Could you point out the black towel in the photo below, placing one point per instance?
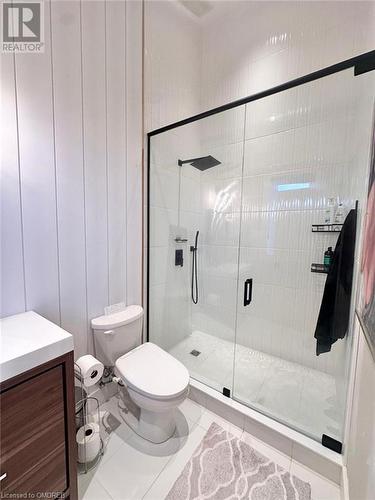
(333, 319)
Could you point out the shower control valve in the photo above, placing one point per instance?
(179, 258)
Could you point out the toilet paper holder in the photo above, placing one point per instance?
(91, 448)
(88, 370)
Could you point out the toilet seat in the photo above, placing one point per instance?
(152, 372)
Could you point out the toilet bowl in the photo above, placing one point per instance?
(155, 381)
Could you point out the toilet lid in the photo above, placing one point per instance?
(151, 371)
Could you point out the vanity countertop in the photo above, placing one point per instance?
(28, 340)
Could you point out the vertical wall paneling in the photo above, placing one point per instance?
(66, 74)
(12, 276)
(94, 127)
(71, 210)
(116, 148)
(134, 150)
(37, 172)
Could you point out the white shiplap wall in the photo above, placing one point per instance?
(71, 200)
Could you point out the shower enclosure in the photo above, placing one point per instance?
(234, 195)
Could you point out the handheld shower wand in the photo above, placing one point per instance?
(194, 271)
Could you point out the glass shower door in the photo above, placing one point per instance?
(302, 147)
(195, 202)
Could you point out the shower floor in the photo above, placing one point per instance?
(301, 397)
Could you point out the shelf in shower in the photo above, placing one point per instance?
(319, 268)
(326, 228)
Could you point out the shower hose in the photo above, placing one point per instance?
(194, 272)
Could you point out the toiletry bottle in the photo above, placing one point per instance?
(340, 214)
(330, 211)
(328, 256)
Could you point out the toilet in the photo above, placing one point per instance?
(156, 382)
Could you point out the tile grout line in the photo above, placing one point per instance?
(104, 488)
(169, 460)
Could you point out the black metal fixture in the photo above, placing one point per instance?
(365, 65)
(226, 392)
(194, 271)
(179, 257)
(203, 163)
(248, 292)
(331, 443)
(195, 353)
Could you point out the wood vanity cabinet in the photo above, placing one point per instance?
(37, 427)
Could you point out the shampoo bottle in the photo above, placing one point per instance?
(340, 214)
(328, 256)
(330, 211)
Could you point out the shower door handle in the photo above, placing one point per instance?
(248, 292)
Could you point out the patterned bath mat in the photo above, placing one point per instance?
(224, 467)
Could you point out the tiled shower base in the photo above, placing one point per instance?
(301, 397)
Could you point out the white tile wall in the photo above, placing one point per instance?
(71, 210)
(262, 44)
(172, 58)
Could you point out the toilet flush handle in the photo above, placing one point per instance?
(109, 332)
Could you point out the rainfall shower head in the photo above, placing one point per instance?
(203, 163)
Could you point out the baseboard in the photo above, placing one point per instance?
(344, 487)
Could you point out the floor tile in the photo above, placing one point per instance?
(192, 411)
(90, 489)
(321, 488)
(175, 465)
(133, 468)
(130, 471)
(114, 431)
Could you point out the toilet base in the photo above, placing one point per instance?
(156, 427)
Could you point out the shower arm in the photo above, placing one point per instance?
(182, 162)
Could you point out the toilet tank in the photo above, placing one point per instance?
(118, 333)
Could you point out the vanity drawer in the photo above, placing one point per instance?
(36, 445)
(33, 451)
